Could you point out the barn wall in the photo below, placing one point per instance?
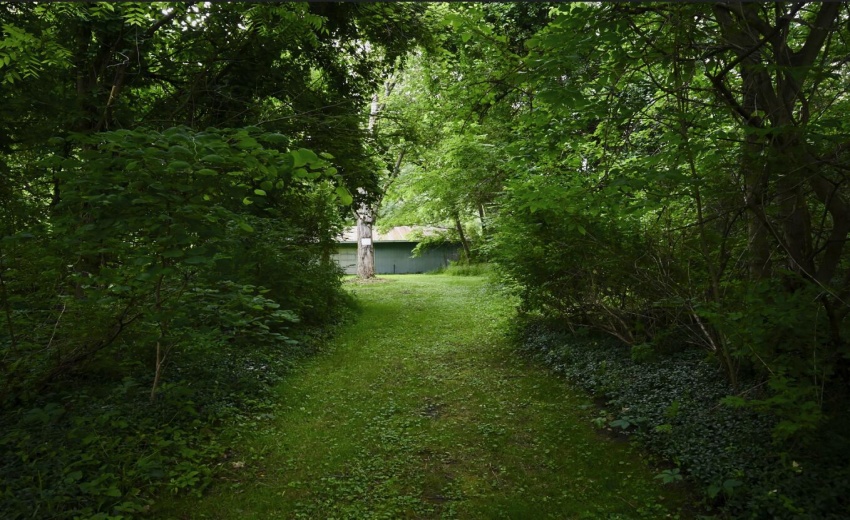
(346, 257)
(394, 258)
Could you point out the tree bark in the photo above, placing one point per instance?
(366, 215)
(365, 244)
(464, 243)
(776, 155)
(484, 228)
(755, 190)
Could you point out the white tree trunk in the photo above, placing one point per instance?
(365, 213)
(365, 245)
(366, 216)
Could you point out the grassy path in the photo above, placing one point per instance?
(421, 410)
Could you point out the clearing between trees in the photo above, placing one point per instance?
(421, 409)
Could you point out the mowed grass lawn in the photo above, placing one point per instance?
(421, 409)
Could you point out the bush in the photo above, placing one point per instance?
(464, 269)
(673, 405)
(100, 448)
(168, 291)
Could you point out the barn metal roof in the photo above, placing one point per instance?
(396, 234)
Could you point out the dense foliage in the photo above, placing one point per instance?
(669, 404)
(173, 176)
(673, 175)
(696, 205)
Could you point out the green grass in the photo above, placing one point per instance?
(421, 409)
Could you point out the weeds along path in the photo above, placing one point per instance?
(421, 409)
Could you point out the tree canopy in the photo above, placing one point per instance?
(173, 176)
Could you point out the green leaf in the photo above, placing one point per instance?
(713, 490)
(275, 138)
(213, 159)
(729, 485)
(174, 166)
(344, 196)
(246, 227)
(71, 163)
(303, 157)
(180, 151)
(261, 193)
(620, 423)
(142, 260)
(73, 476)
(248, 143)
(247, 201)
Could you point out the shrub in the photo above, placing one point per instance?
(175, 281)
(464, 269)
(674, 405)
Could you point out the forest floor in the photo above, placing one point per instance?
(422, 409)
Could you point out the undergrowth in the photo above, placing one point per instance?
(674, 406)
(464, 269)
(98, 448)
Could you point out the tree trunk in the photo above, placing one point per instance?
(365, 246)
(366, 216)
(755, 179)
(367, 213)
(463, 241)
(481, 215)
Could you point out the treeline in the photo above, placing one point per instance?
(173, 176)
(674, 176)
